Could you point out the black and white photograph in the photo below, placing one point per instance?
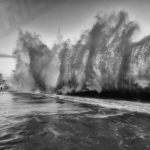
(74, 74)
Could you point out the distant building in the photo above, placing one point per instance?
(1, 82)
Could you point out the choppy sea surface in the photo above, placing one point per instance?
(33, 122)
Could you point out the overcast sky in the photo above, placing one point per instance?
(72, 17)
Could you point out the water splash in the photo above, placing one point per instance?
(104, 58)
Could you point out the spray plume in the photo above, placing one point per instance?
(104, 58)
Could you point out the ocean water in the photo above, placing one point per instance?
(32, 122)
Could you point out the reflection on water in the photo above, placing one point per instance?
(30, 123)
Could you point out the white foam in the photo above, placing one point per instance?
(123, 105)
(104, 115)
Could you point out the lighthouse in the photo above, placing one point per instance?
(1, 82)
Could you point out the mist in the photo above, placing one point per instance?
(104, 58)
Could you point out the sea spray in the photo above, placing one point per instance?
(33, 69)
(103, 59)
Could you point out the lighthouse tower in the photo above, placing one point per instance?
(1, 82)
